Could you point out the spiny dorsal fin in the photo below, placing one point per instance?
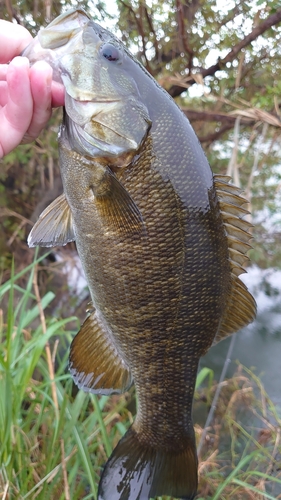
(241, 306)
(232, 198)
(94, 362)
(237, 229)
(222, 181)
(229, 208)
(54, 226)
(235, 243)
(239, 223)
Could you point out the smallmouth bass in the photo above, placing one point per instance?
(162, 242)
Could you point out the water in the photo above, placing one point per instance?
(258, 347)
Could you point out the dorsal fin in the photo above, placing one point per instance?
(241, 306)
(237, 229)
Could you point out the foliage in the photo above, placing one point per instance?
(34, 14)
(54, 440)
(49, 435)
(242, 450)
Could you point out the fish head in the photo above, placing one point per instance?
(105, 114)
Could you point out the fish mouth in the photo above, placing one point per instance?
(82, 110)
(89, 98)
(100, 100)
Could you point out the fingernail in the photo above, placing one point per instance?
(47, 70)
(19, 61)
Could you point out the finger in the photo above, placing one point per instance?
(57, 89)
(13, 40)
(15, 116)
(58, 93)
(3, 71)
(3, 94)
(40, 83)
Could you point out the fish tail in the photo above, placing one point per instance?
(136, 471)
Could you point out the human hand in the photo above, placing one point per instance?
(26, 94)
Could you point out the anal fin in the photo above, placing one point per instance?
(54, 226)
(94, 362)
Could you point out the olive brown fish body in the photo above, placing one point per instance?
(161, 244)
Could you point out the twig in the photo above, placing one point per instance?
(51, 171)
(48, 9)
(139, 23)
(6, 489)
(55, 351)
(217, 393)
(182, 29)
(216, 135)
(50, 362)
(9, 10)
(274, 453)
(207, 462)
(50, 476)
(232, 169)
(256, 161)
(210, 116)
(15, 233)
(6, 212)
(64, 472)
(152, 30)
(47, 347)
(258, 30)
(239, 70)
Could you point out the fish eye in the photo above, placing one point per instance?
(110, 52)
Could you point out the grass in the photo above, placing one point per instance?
(54, 440)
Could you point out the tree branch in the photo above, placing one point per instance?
(215, 135)
(193, 115)
(272, 20)
(139, 23)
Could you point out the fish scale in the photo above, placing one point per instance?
(162, 242)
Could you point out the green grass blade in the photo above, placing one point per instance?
(250, 487)
(232, 475)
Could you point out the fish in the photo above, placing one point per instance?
(162, 241)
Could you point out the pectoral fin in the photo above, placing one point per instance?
(94, 362)
(54, 226)
(116, 207)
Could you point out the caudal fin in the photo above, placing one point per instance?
(136, 471)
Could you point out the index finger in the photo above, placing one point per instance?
(13, 40)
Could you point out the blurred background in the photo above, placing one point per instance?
(221, 62)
